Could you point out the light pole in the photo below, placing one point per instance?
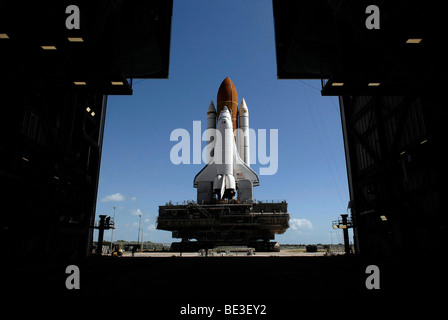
(141, 247)
(331, 245)
(112, 235)
(139, 223)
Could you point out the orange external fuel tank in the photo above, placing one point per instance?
(227, 96)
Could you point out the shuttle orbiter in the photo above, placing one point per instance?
(228, 170)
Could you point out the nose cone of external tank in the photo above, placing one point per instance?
(227, 96)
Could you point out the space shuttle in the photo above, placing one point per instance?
(227, 174)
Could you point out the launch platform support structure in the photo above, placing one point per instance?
(344, 223)
(224, 224)
(105, 223)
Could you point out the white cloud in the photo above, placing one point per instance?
(113, 197)
(147, 220)
(136, 212)
(151, 227)
(134, 198)
(300, 225)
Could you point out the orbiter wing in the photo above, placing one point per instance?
(208, 173)
(242, 171)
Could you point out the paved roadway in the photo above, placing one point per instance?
(232, 254)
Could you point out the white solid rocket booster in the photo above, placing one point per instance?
(211, 116)
(211, 124)
(243, 113)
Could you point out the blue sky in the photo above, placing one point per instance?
(209, 41)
